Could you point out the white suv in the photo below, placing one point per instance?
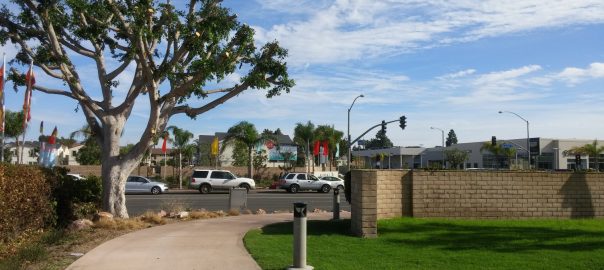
(294, 182)
(208, 180)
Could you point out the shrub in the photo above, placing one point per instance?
(26, 204)
(74, 198)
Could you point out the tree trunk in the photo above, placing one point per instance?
(17, 149)
(179, 170)
(115, 169)
(250, 167)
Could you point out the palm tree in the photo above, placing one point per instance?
(591, 149)
(13, 128)
(246, 133)
(304, 135)
(332, 136)
(499, 151)
(181, 140)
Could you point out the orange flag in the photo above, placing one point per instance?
(53, 136)
(30, 80)
(164, 146)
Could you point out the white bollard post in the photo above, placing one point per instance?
(336, 203)
(300, 238)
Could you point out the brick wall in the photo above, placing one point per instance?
(508, 194)
(363, 216)
(380, 194)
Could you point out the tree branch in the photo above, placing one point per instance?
(191, 112)
(53, 91)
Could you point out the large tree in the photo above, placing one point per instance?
(456, 157)
(164, 55)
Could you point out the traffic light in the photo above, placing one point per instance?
(384, 125)
(403, 122)
(493, 141)
(578, 160)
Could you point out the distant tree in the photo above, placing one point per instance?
(90, 153)
(451, 138)
(246, 133)
(278, 132)
(181, 139)
(380, 141)
(304, 136)
(332, 136)
(500, 153)
(456, 157)
(591, 149)
(240, 154)
(267, 131)
(13, 128)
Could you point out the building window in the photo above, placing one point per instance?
(73, 153)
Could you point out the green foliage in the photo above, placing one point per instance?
(90, 153)
(451, 138)
(455, 157)
(591, 149)
(380, 141)
(240, 154)
(501, 154)
(74, 198)
(245, 133)
(26, 204)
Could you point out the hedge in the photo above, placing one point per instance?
(26, 202)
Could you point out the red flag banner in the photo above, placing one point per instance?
(315, 151)
(30, 80)
(325, 149)
(53, 136)
(164, 148)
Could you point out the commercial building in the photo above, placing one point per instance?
(546, 154)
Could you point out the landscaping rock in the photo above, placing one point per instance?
(162, 213)
(182, 214)
(80, 224)
(317, 210)
(102, 216)
(260, 212)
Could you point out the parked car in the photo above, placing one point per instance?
(208, 180)
(139, 184)
(294, 182)
(335, 182)
(75, 176)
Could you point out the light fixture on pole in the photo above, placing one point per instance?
(442, 133)
(349, 140)
(528, 137)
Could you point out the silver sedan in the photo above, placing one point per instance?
(139, 184)
(334, 182)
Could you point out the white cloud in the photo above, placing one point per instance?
(360, 29)
(573, 75)
(456, 75)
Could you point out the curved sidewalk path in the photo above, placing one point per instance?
(200, 244)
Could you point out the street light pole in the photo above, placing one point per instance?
(442, 133)
(349, 140)
(528, 137)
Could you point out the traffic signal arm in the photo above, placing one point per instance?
(371, 128)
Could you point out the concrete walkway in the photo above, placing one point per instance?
(200, 244)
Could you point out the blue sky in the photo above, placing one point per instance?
(451, 65)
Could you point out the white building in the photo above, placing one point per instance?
(546, 154)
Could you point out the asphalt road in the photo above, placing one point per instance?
(257, 199)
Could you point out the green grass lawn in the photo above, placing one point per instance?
(407, 243)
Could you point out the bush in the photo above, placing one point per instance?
(74, 198)
(26, 204)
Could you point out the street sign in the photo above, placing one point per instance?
(507, 145)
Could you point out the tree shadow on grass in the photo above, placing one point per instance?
(447, 236)
(313, 227)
